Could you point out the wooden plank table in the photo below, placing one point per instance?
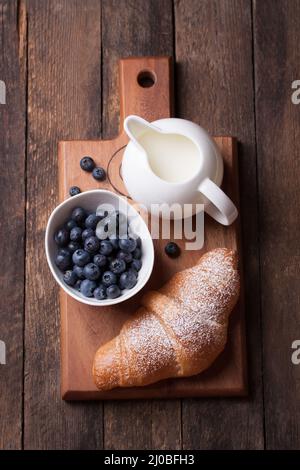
(235, 63)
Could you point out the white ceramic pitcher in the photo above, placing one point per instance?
(175, 161)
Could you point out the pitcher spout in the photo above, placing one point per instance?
(134, 127)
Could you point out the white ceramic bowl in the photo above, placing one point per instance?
(90, 200)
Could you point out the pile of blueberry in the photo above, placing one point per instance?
(88, 164)
(99, 268)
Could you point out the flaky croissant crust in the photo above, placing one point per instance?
(178, 331)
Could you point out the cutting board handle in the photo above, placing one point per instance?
(146, 87)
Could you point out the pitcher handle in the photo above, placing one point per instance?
(221, 208)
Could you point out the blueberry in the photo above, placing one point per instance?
(73, 246)
(109, 278)
(117, 266)
(136, 264)
(127, 280)
(63, 260)
(109, 259)
(133, 271)
(100, 260)
(91, 271)
(78, 215)
(127, 244)
(137, 254)
(70, 224)
(70, 278)
(87, 164)
(74, 190)
(99, 173)
(79, 271)
(91, 245)
(77, 284)
(138, 242)
(127, 257)
(115, 242)
(100, 292)
(113, 291)
(92, 220)
(106, 247)
(63, 251)
(87, 287)
(62, 237)
(75, 234)
(81, 257)
(87, 233)
(172, 249)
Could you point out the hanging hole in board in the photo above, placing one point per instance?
(146, 79)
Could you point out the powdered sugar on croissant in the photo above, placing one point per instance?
(179, 330)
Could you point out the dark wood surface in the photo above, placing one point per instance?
(235, 62)
(12, 232)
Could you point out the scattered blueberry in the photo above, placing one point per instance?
(100, 292)
(77, 284)
(63, 260)
(106, 247)
(79, 215)
(88, 232)
(81, 257)
(99, 173)
(172, 249)
(136, 264)
(109, 278)
(79, 272)
(87, 287)
(91, 271)
(91, 245)
(113, 291)
(127, 244)
(70, 224)
(74, 190)
(100, 260)
(70, 278)
(117, 266)
(87, 164)
(75, 234)
(127, 280)
(137, 254)
(127, 257)
(62, 237)
(73, 246)
(92, 220)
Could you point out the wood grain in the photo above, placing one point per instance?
(64, 101)
(215, 89)
(136, 28)
(277, 57)
(12, 228)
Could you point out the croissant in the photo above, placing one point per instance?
(178, 331)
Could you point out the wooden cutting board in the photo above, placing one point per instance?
(145, 90)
